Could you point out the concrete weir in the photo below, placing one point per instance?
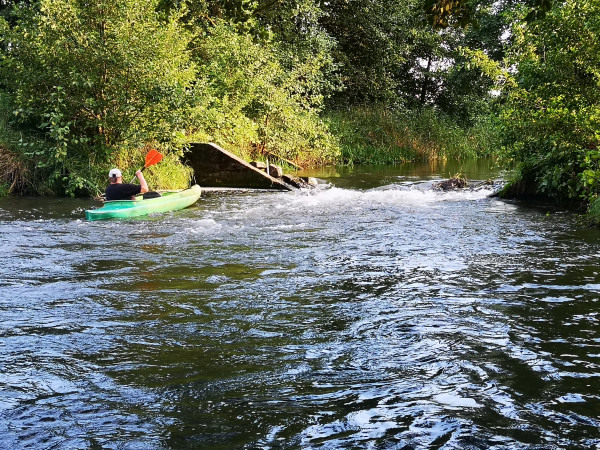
(215, 167)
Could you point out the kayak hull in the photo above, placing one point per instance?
(123, 209)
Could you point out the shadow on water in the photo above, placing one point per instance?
(371, 312)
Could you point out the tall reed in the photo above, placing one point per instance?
(378, 135)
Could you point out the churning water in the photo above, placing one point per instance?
(372, 312)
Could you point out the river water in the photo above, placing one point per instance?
(369, 313)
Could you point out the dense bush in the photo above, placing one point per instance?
(251, 104)
(551, 119)
(94, 80)
(93, 84)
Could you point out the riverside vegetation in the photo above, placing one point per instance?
(86, 86)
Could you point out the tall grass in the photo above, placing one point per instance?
(15, 173)
(378, 135)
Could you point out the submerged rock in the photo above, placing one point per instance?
(458, 183)
(300, 182)
(452, 184)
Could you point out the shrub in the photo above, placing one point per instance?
(93, 79)
(250, 103)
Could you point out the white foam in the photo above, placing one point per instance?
(456, 401)
(388, 195)
(207, 226)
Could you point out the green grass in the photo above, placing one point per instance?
(377, 135)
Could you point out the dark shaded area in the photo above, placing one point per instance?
(216, 167)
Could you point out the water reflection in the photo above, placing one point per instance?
(383, 175)
(386, 316)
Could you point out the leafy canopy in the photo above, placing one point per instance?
(551, 121)
(96, 78)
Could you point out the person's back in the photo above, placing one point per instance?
(117, 190)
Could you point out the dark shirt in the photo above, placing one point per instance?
(122, 191)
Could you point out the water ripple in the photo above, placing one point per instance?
(391, 317)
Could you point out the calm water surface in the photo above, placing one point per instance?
(370, 313)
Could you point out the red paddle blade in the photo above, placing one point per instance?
(153, 157)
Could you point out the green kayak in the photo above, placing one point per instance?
(168, 201)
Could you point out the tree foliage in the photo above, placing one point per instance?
(251, 101)
(92, 83)
(551, 120)
(95, 78)
(99, 80)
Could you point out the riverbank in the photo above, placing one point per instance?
(359, 135)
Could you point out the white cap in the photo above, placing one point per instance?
(114, 173)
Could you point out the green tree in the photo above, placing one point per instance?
(97, 79)
(253, 103)
(266, 67)
(389, 54)
(460, 13)
(373, 40)
(290, 29)
(551, 120)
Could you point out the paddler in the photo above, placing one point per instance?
(117, 190)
